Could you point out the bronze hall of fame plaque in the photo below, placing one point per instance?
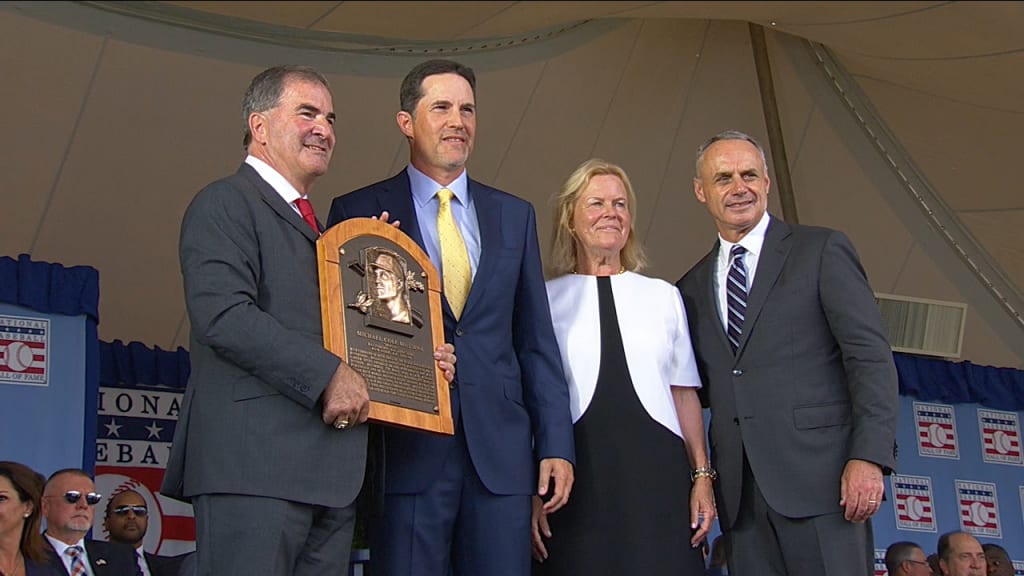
(380, 300)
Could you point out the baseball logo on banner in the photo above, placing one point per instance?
(134, 430)
(936, 430)
(1000, 437)
(880, 569)
(913, 503)
(979, 508)
(1018, 568)
(24, 350)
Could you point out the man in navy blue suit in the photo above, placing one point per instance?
(462, 502)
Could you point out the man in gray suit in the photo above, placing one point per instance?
(797, 372)
(268, 445)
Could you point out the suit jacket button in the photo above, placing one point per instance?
(737, 372)
(458, 331)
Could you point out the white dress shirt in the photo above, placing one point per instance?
(278, 182)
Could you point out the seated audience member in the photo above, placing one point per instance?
(22, 550)
(998, 560)
(126, 520)
(960, 554)
(933, 563)
(906, 559)
(69, 501)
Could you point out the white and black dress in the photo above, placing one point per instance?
(624, 343)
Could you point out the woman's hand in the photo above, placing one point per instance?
(702, 509)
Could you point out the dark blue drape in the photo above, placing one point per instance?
(934, 380)
(136, 364)
(50, 288)
(69, 291)
(927, 379)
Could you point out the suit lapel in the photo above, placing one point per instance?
(277, 204)
(774, 252)
(98, 561)
(55, 560)
(706, 280)
(396, 198)
(488, 215)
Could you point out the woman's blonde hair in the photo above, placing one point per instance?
(563, 241)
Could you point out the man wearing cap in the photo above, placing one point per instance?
(388, 277)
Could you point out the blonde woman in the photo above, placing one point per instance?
(643, 500)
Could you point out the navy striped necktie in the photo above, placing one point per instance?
(736, 296)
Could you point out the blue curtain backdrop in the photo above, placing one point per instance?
(52, 425)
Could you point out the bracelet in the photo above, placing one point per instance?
(704, 472)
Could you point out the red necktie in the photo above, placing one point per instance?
(306, 209)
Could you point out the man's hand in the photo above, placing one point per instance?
(346, 399)
(561, 472)
(384, 218)
(445, 356)
(540, 530)
(861, 489)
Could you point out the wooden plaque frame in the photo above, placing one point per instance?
(384, 345)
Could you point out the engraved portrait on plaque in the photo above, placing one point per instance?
(381, 306)
(385, 299)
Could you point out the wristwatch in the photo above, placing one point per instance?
(704, 472)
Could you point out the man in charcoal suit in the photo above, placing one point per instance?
(798, 374)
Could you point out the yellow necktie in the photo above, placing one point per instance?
(454, 257)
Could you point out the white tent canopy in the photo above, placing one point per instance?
(900, 125)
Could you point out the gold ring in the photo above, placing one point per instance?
(341, 424)
(872, 501)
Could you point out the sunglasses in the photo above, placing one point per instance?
(124, 510)
(73, 496)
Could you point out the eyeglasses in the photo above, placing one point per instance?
(73, 496)
(916, 562)
(124, 510)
